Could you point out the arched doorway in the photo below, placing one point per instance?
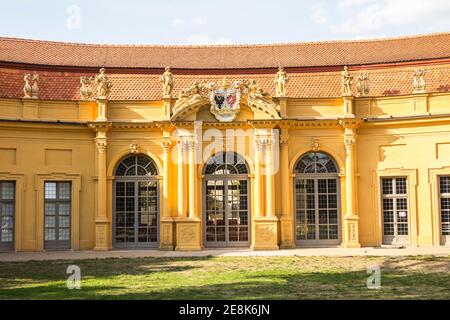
(226, 201)
(136, 203)
(317, 209)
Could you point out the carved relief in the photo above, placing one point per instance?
(315, 146)
(419, 83)
(104, 85)
(86, 88)
(266, 233)
(168, 82)
(281, 80)
(187, 235)
(134, 148)
(200, 94)
(347, 80)
(352, 232)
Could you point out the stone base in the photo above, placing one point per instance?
(287, 233)
(351, 232)
(102, 235)
(266, 234)
(188, 235)
(350, 245)
(166, 236)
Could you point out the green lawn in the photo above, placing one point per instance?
(230, 278)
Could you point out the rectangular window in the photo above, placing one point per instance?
(444, 191)
(394, 204)
(57, 211)
(7, 215)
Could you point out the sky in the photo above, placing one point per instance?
(203, 22)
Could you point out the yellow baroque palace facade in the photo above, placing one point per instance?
(261, 146)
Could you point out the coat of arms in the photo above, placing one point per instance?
(225, 103)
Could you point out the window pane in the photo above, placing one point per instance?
(64, 190)
(50, 190)
(387, 186)
(7, 190)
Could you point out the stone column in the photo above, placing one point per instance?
(265, 227)
(181, 183)
(102, 223)
(192, 180)
(257, 188)
(166, 235)
(270, 180)
(351, 234)
(188, 228)
(287, 219)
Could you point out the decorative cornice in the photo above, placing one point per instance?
(100, 126)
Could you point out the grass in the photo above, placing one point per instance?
(230, 278)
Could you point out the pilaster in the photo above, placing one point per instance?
(348, 108)
(286, 219)
(102, 221)
(351, 218)
(167, 222)
(265, 226)
(30, 108)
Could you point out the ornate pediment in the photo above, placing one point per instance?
(224, 99)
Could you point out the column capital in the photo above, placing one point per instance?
(100, 126)
(166, 144)
(101, 145)
(284, 140)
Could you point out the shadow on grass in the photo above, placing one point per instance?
(255, 285)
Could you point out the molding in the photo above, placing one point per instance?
(19, 206)
(75, 179)
(411, 175)
(433, 181)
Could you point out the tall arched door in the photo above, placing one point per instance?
(136, 203)
(226, 201)
(317, 209)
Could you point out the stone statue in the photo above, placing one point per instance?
(104, 84)
(27, 86)
(86, 89)
(35, 87)
(362, 84)
(347, 80)
(281, 81)
(168, 82)
(419, 83)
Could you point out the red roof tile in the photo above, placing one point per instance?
(308, 54)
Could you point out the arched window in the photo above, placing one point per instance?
(226, 206)
(316, 162)
(136, 203)
(225, 164)
(316, 186)
(136, 166)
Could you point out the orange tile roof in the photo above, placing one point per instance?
(66, 85)
(308, 54)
